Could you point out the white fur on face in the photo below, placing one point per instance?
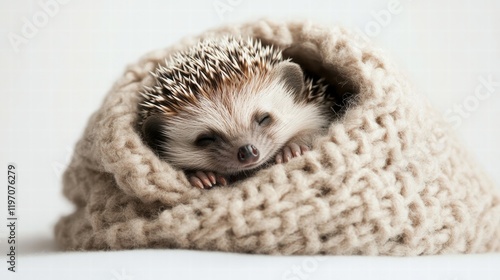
(233, 116)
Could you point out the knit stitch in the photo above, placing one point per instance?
(389, 178)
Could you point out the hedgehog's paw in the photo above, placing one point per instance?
(206, 180)
(290, 151)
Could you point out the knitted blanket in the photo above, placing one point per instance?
(389, 178)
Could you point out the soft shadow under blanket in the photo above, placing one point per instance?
(389, 178)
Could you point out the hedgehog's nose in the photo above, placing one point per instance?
(248, 154)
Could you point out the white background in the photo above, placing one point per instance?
(57, 75)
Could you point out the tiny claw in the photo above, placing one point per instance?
(204, 178)
(222, 180)
(291, 150)
(279, 158)
(287, 153)
(211, 176)
(195, 182)
(295, 149)
(304, 148)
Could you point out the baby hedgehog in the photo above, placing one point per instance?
(228, 106)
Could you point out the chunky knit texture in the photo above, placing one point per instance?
(389, 178)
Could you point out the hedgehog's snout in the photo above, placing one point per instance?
(248, 154)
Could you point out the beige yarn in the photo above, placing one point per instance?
(388, 179)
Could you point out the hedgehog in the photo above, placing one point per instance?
(228, 106)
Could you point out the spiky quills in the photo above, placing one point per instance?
(209, 66)
(205, 68)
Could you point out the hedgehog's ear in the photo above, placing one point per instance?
(291, 74)
(153, 131)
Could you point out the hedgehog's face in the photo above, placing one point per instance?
(242, 129)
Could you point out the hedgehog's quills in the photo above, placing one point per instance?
(227, 107)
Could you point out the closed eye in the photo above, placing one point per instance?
(264, 120)
(204, 140)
